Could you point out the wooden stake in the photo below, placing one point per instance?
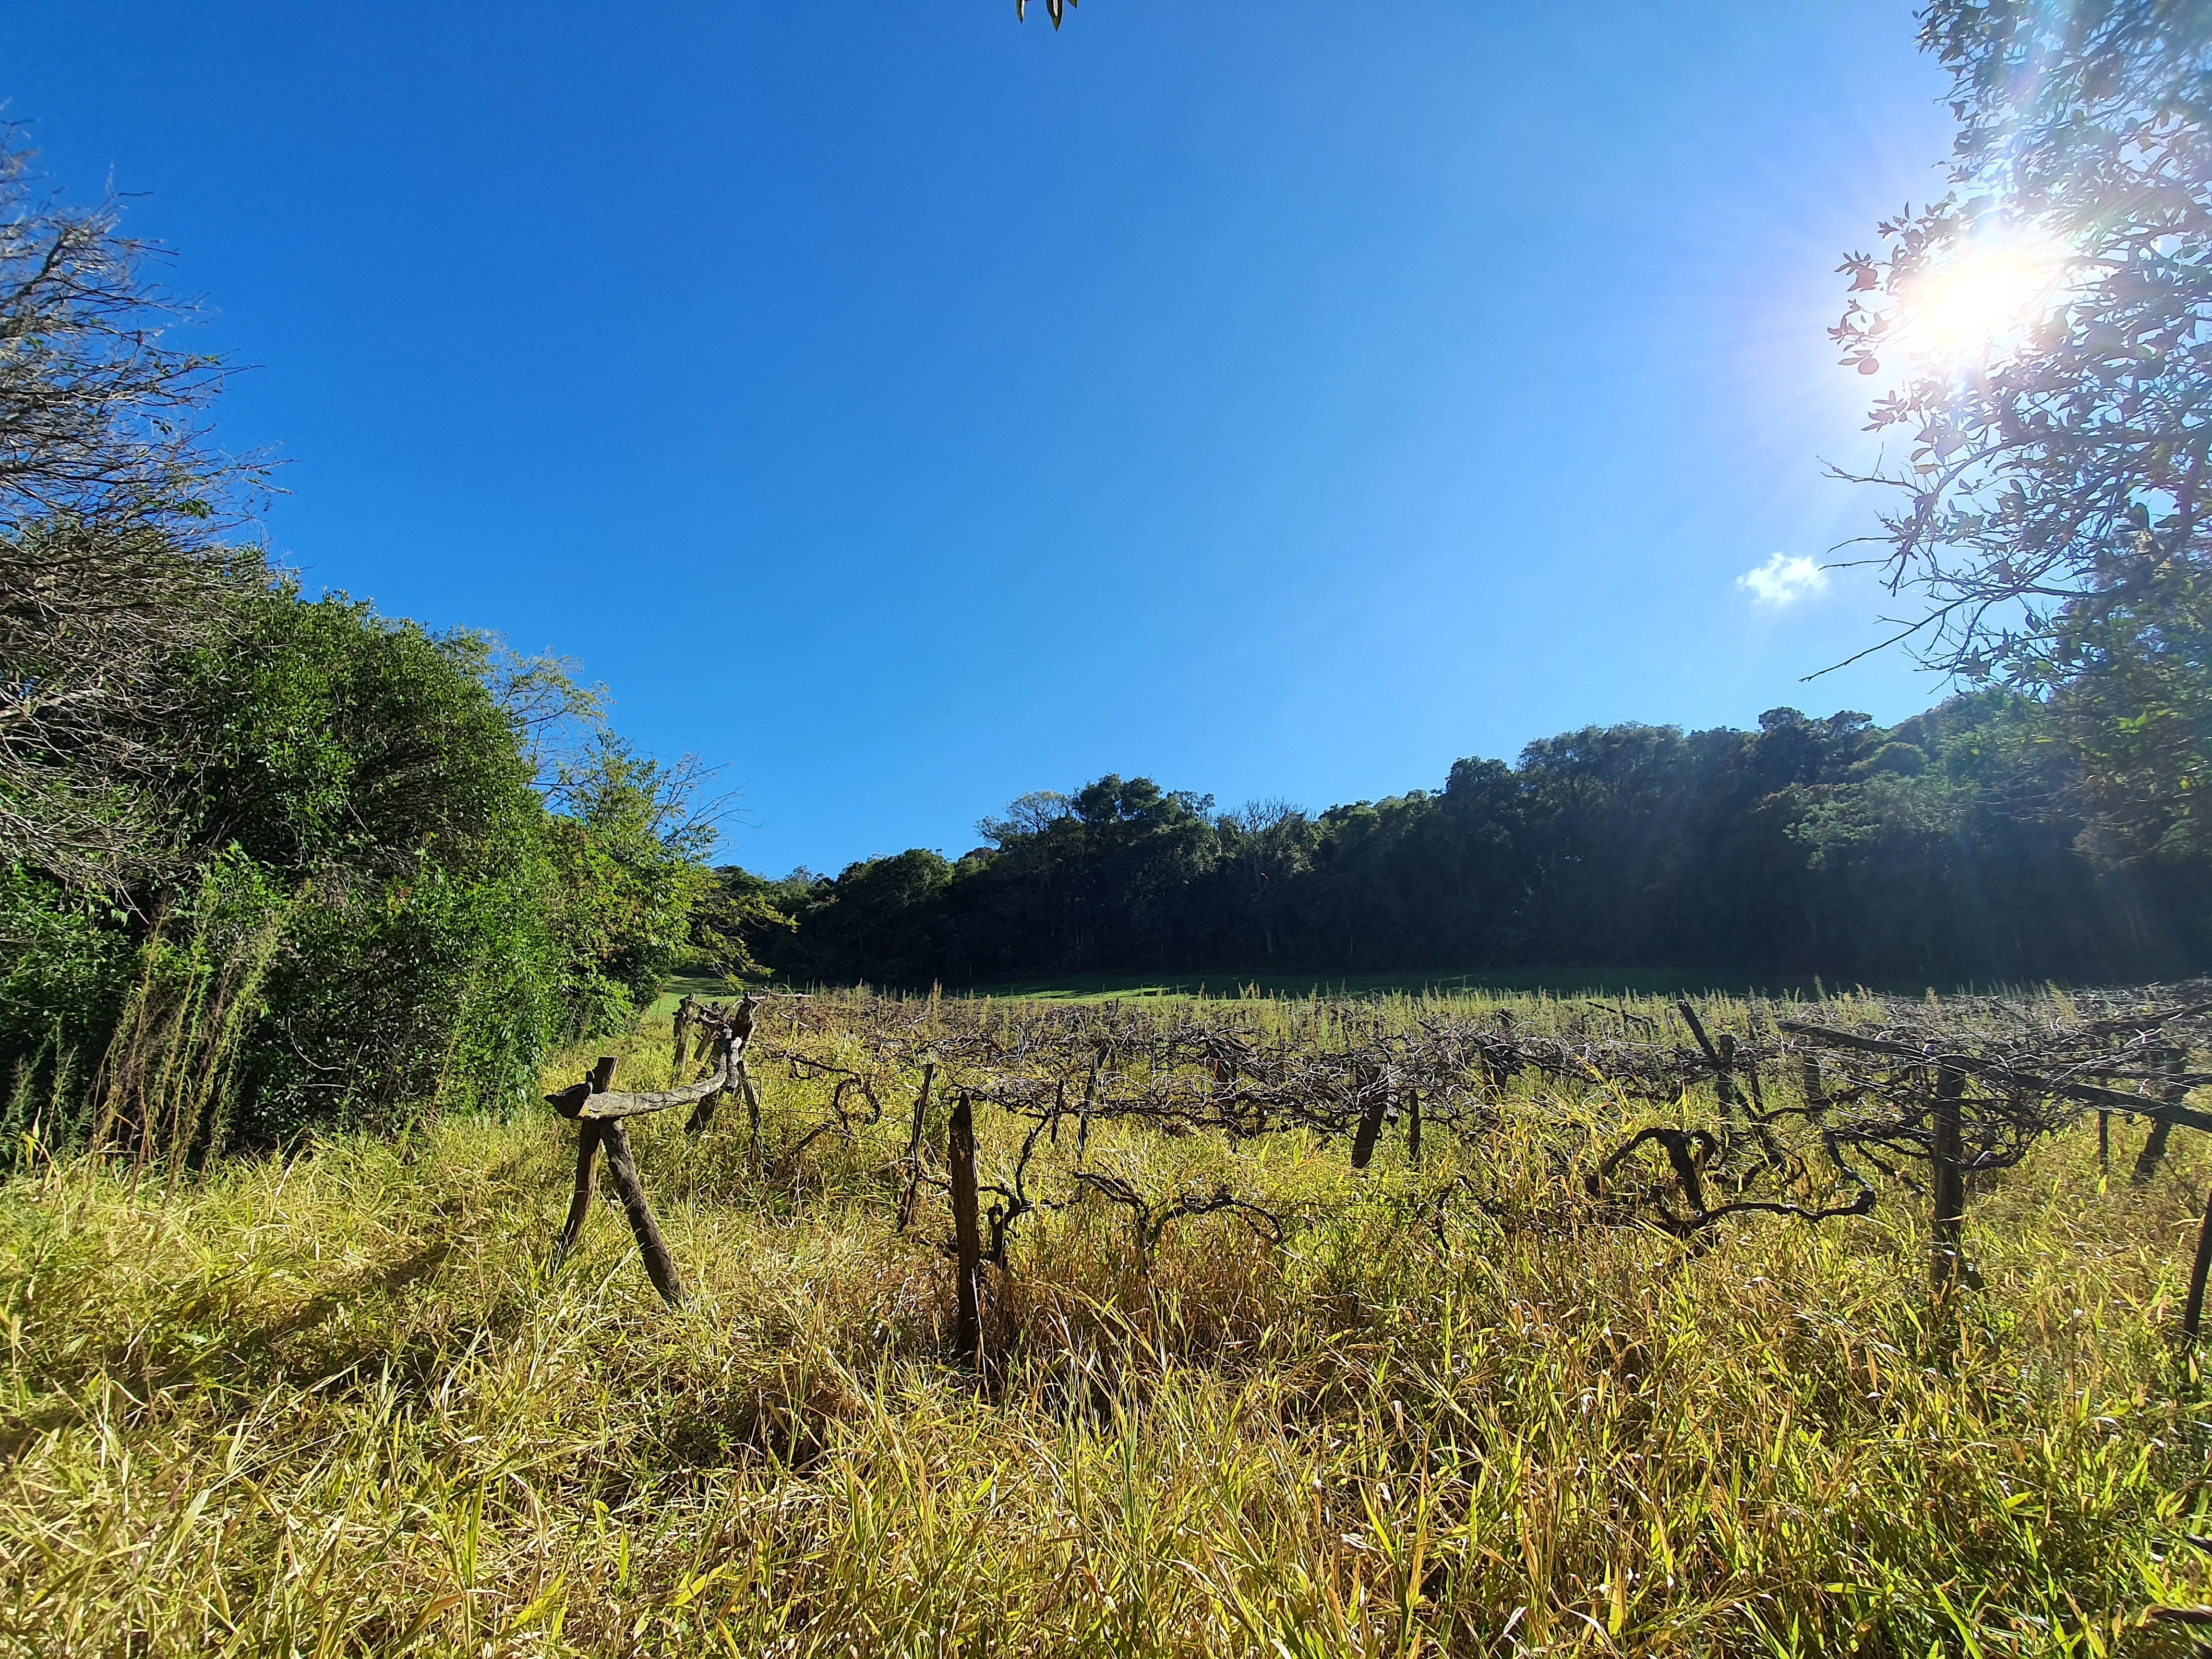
(1414, 1126)
(1816, 1096)
(684, 1009)
(587, 1152)
(622, 1168)
(580, 1207)
(2154, 1148)
(967, 1233)
(2192, 1312)
(660, 1265)
(752, 1108)
(907, 1198)
(1949, 1185)
(1370, 1125)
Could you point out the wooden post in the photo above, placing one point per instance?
(2104, 1143)
(579, 1205)
(660, 1266)
(913, 1148)
(967, 1234)
(587, 1152)
(2154, 1149)
(1370, 1125)
(752, 1108)
(1724, 1075)
(684, 1010)
(1809, 1072)
(1413, 1127)
(1949, 1185)
(2192, 1312)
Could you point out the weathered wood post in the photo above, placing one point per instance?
(1413, 1127)
(914, 1147)
(2154, 1148)
(660, 1265)
(587, 1152)
(601, 1124)
(1724, 1073)
(967, 1234)
(2193, 1311)
(684, 1012)
(1370, 1125)
(1949, 1187)
(1808, 1077)
(752, 1108)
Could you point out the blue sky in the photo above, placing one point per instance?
(904, 408)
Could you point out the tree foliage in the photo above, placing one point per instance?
(1940, 848)
(2053, 500)
(330, 864)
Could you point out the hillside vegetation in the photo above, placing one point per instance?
(1956, 847)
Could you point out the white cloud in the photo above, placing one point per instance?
(1782, 580)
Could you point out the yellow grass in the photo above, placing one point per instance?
(337, 1405)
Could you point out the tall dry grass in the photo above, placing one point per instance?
(335, 1403)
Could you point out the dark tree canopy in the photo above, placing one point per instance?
(1937, 850)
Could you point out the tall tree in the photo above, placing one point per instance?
(115, 508)
(2049, 323)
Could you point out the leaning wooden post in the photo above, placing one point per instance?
(587, 1152)
(660, 1265)
(2192, 1312)
(1949, 1185)
(967, 1234)
(913, 1148)
(1413, 1127)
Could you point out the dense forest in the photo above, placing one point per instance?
(1957, 845)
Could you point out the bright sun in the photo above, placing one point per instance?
(1985, 295)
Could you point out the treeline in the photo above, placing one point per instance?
(1954, 846)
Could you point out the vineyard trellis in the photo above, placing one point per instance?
(1809, 1119)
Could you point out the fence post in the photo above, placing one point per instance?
(587, 1152)
(1949, 1185)
(752, 1108)
(913, 1148)
(1370, 1125)
(967, 1235)
(1724, 1075)
(660, 1265)
(1809, 1072)
(2192, 1312)
(684, 1013)
(2154, 1149)
(1414, 1126)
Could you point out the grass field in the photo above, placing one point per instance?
(1474, 983)
(338, 1402)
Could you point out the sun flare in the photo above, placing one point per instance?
(1984, 296)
